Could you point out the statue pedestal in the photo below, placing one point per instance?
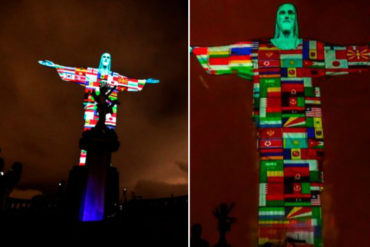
(99, 144)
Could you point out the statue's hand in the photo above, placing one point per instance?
(152, 81)
(47, 63)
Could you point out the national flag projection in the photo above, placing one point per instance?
(91, 79)
(288, 115)
(296, 222)
(227, 59)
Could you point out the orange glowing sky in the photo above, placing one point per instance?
(42, 116)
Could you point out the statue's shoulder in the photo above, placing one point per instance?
(265, 44)
(118, 75)
(91, 70)
(245, 44)
(310, 46)
(312, 43)
(244, 47)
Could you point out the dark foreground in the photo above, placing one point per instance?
(156, 222)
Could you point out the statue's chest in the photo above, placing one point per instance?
(306, 61)
(95, 79)
(284, 79)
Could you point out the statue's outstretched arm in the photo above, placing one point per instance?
(124, 83)
(66, 73)
(229, 59)
(51, 64)
(48, 63)
(341, 60)
(152, 81)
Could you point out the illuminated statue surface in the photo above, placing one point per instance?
(100, 104)
(287, 113)
(92, 79)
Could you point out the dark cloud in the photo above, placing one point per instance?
(42, 116)
(182, 165)
(25, 194)
(153, 189)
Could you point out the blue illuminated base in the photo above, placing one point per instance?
(99, 145)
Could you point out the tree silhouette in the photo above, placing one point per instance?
(224, 222)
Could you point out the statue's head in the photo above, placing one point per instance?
(105, 62)
(286, 20)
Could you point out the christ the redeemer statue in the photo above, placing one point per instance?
(287, 112)
(93, 79)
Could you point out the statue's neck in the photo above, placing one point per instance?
(286, 35)
(286, 41)
(104, 71)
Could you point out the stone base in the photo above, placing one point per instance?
(98, 138)
(99, 143)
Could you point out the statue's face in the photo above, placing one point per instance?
(106, 59)
(286, 17)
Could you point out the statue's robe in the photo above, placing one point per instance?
(287, 113)
(91, 78)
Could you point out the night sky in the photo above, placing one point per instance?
(224, 165)
(42, 116)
